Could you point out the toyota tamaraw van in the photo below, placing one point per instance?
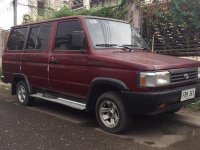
(99, 65)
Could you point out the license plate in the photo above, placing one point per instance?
(188, 94)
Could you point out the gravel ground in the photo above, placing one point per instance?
(50, 126)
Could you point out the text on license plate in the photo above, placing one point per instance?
(188, 94)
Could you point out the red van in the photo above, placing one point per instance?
(97, 64)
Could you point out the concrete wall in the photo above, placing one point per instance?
(97, 3)
(33, 11)
(1, 45)
(3, 40)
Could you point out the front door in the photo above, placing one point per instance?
(68, 64)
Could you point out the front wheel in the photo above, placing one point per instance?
(111, 113)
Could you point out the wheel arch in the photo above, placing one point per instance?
(17, 77)
(100, 85)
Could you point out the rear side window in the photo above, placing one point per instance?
(17, 39)
(63, 40)
(38, 38)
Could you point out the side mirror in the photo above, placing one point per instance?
(78, 39)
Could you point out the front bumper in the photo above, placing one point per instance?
(149, 103)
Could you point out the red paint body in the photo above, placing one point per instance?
(75, 70)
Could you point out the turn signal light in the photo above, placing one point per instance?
(162, 106)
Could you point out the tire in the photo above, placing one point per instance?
(23, 94)
(111, 114)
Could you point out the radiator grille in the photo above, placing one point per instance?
(183, 75)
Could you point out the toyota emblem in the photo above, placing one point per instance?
(186, 76)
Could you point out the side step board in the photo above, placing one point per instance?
(70, 103)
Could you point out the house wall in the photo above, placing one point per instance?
(99, 3)
(1, 45)
(3, 39)
(33, 11)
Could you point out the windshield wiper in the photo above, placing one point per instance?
(106, 45)
(113, 45)
(126, 46)
(131, 47)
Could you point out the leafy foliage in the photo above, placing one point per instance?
(26, 18)
(194, 106)
(117, 12)
(175, 26)
(179, 12)
(185, 12)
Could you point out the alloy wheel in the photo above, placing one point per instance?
(109, 114)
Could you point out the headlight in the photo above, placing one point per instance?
(198, 72)
(154, 79)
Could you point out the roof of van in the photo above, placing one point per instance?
(68, 17)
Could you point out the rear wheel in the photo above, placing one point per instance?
(23, 94)
(111, 113)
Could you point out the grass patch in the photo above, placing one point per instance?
(194, 106)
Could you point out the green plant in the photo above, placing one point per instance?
(185, 13)
(194, 106)
(64, 11)
(117, 12)
(27, 18)
(177, 24)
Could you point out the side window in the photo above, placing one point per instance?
(38, 38)
(32, 38)
(63, 40)
(17, 39)
(43, 38)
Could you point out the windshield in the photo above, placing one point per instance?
(108, 33)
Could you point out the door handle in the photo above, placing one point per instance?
(53, 60)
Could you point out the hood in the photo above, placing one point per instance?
(149, 61)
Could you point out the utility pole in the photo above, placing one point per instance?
(15, 11)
